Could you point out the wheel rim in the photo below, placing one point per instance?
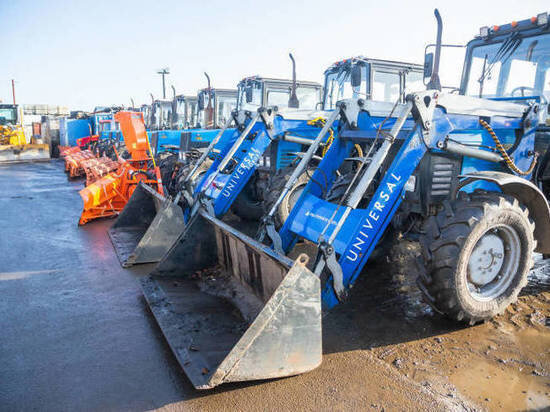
(294, 196)
(494, 262)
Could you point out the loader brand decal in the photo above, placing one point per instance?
(369, 226)
(251, 159)
(322, 218)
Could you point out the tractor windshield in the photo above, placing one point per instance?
(225, 105)
(308, 97)
(191, 120)
(206, 112)
(249, 95)
(338, 85)
(180, 108)
(9, 115)
(164, 114)
(512, 67)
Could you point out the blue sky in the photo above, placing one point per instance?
(87, 53)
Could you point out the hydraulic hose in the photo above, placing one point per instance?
(507, 159)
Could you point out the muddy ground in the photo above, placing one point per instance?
(77, 334)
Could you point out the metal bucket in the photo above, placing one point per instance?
(146, 228)
(232, 309)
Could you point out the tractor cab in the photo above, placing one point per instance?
(370, 79)
(215, 107)
(510, 62)
(161, 114)
(255, 92)
(184, 112)
(9, 115)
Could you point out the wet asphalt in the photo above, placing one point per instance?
(77, 334)
(75, 331)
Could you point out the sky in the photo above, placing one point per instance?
(83, 54)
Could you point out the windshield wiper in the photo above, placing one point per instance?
(505, 51)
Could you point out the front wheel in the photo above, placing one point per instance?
(476, 255)
(275, 187)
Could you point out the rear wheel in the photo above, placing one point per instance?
(477, 253)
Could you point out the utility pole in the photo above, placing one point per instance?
(164, 72)
(13, 89)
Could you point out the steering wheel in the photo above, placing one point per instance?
(531, 89)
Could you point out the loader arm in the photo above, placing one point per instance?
(347, 234)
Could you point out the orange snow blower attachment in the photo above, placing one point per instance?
(81, 153)
(74, 161)
(108, 195)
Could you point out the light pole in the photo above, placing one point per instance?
(13, 90)
(164, 72)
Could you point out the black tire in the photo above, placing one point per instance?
(246, 205)
(448, 243)
(166, 164)
(275, 186)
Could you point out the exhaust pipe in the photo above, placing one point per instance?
(435, 83)
(209, 110)
(293, 101)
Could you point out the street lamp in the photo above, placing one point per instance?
(164, 72)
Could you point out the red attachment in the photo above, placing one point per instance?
(84, 141)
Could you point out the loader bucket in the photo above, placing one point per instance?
(146, 228)
(234, 310)
(24, 153)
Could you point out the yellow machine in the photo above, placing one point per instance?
(14, 146)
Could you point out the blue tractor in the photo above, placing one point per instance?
(186, 122)
(220, 164)
(466, 172)
(233, 173)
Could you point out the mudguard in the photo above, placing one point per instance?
(528, 194)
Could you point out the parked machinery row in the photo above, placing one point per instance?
(273, 221)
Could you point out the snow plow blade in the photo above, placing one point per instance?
(234, 310)
(146, 228)
(24, 153)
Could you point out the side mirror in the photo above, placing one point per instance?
(200, 102)
(428, 65)
(248, 92)
(356, 75)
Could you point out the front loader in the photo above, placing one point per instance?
(110, 194)
(453, 169)
(14, 147)
(221, 173)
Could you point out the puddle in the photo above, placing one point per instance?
(504, 363)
